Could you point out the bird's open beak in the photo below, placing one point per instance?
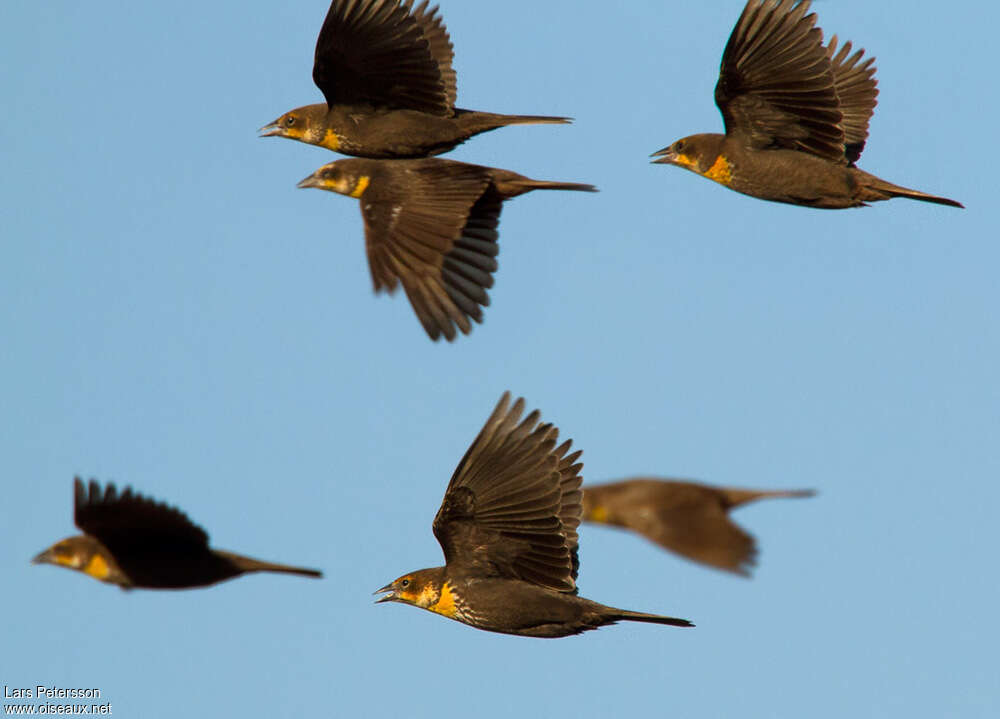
(666, 157)
(43, 557)
(270, 129)
(312, 181)
(387, 590)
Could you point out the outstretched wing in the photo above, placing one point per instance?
(856, 90)
(513, 505)
(385, 53)
(437, 235)
(687, 518)
(704, 533)
(776, 85)
(131, 521)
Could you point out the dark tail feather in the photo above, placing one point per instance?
(875, 188)
(736, 497)
(625, 615)
(248, 564)
(546, 185)
(924, 197)
(534, 120)
(475, 122)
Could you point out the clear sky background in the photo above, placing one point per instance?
(177, 316)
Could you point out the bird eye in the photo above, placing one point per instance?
(404, 583)
(679, 146)
(290, 120)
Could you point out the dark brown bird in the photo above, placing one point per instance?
(688, 518)
(384, 67)
(507, 526)
(796, 116)
(431, 225)
(133, 541)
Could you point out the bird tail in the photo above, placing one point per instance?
(527, 185)
(473, 122)
(627, 616)
(510, 184)
(735, 497)
(874, 189)
(249, 564)
(533, 120)
(484, 121)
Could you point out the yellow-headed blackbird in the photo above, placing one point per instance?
(507, 526)
(796, 116)
(688, 518)
(431, 225)
(384, 67)
(133, 541)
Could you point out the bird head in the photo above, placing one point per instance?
(421, 588)
(346, 177)
(695, 153)
(305, 124)
(83, 554)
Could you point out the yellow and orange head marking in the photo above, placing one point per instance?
(415, 590)
(334, 180)
(685, 160)
(427, 595)
(701, 154)
(305, 124)
(66, 553)
(79, 554)
(293, 125)
(424, 591)
(683, 153)
(720, 170)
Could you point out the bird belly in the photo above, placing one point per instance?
(175, 570)
(385, 134)
(792, 177)
(510, 606)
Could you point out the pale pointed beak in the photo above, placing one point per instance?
(388, 591)
(270, 129)
(312, 181)
(666, 157)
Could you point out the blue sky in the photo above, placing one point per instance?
(178, 316)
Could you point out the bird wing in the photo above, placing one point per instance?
(856, 90)
(379, 52)
(129, 520)
(513, 504)
(690, 519)
(439, 45)
(437, 235)
(776, 85)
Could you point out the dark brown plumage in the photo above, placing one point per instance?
(133, 541)
(688, 518)
(796, 115)
(384, 67)
(431, 225)
(507, 526)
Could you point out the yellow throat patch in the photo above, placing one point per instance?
(359, 189)
(686, 161)
(330, 140)
(445, 604)
(720, 171)
(97, 567)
